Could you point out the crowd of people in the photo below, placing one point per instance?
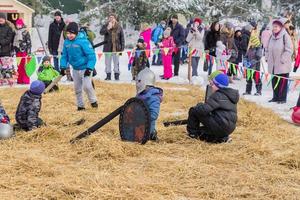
(224, 42)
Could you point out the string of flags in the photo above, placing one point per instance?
(33, 60)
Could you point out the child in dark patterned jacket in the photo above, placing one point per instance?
(27, 114)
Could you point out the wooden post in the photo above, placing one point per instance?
(189, 66)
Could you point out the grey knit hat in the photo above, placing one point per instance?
(3, 16)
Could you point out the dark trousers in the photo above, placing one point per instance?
(298, 103)
(258, 83)
(24, 127)
(280, 92)
(176, 60)
(157, 59)
(204, 131)
(210, 65)
(55, 60)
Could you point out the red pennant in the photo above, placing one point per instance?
(297, 82)
(129, 54)
(176, 50)
(257, 76)
(99, 56)
(147, 53)
(266, 75)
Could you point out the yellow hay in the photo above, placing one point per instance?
(262, 162)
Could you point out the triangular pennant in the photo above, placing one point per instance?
(39, 59)
(128, 54)
(157, 51)
(166, 51)
(18, 60)
(30, 67)
(271, 78)
(147, 53)
(99, 55)
(282, 85)
(297, 82)
(277, 83)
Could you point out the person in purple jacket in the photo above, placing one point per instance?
(151, 95)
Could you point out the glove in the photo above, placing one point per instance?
(87, 72)
(295, 69)
(62, 72)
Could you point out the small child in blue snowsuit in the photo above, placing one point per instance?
(151, 95)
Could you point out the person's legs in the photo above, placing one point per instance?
(78, 86)
(298, 102)
(55, 60)
(275, 90)
(116, 66)
(210, 64)
(193, 124)
(249, 85)
(176, 56)
(258, 83)
(195, 63)
(167, 66)
(283, 88)
(89, 90)
(159, 58)
(108, 59)
(154, 62)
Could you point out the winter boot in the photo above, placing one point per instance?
(80, 108)
(94, 105)
(108, 77)
(117, 75)
(153, 136)
(258, 89)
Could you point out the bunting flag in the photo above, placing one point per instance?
(289, 85)
(18, 60)
(99, 55)
(166, 51)
(157, 51)
(277, 82)
(252, 73)
(282, 85)
(266, 75)
(270, 80)
(129, 54)
(297, 82)
(30, 66)
(147, 53)
(39, 59)
(257, 76)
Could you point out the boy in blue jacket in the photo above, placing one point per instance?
(151, 95)
(79, 53)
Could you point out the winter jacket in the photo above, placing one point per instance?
(157, 34)
(253, 56)
(297, 61)
(195, 41)
(279, 53)
(221, 111)
(146, 35)
(178, 34)
(152, 97)
(6, 40)
(47, 74)
(119, 42)
(168, 43)
(55, 31)
(140, 61)
(22, 44)
(212, 36)
(4, 118)
(27, 115)
(241, 46)
(265, 37)
(79, 53)
(231, 48)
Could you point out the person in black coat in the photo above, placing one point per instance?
(218, 116)
(210, 42)
(6, 37)
(55, 30)
(178, 34)
(115, 43)
(241, 43)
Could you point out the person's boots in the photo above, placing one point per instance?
(258, 90)
(108, 77)
(117, 75)
(69, 77)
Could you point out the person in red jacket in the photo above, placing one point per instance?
(297, 61)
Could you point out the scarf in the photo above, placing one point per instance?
(18, 37)
(114, 37)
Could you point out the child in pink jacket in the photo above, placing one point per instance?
(167, 43)
(146, 35)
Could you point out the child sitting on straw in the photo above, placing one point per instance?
(151, 95)
(27, 115)
(47, 73)
(216, 119)
(140, 60)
